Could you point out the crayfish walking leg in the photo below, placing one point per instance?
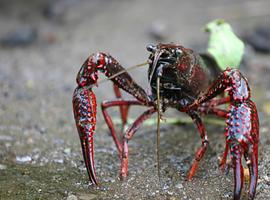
(128, 135)
(123, 104)
(123, 108)
(200, 152)
(84, 101)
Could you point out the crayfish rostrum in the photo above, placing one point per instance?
(179, 78)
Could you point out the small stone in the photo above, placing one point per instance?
(30, 140)
(30, 84)
(266, 178)
(6, 138)
(87, 196)
(158, 30)
(58, 160)
(179, 186)
(72, 197)
(165, 187)
(67, 151)
(23, 159)
(3, 167)
(259, 39)
(22, 36)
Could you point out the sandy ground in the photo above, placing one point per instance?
(40, 155)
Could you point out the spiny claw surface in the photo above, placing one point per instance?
(84, 106)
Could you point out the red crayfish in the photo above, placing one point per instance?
(179, 78)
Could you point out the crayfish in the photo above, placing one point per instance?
(178, 78)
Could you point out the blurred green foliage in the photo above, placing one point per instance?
(223, 45)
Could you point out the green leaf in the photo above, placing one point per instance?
(225, 47)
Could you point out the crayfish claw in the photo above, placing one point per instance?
(253, 172)
(238, 172)
(84, 107)
(88, 155)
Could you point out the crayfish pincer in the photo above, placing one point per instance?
(180, 79)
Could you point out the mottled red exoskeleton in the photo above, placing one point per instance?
(186, 84)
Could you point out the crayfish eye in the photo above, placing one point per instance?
(151, 48)
(178, 52)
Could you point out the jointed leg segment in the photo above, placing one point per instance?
(113, 103)
(200, 152)
(128, 135)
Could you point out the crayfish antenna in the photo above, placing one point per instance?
(123, 71)
(158, 126)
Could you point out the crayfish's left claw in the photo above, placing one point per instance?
(253, 171)
(238, 172)
(242, 135)
(252, 162)
(84, 107)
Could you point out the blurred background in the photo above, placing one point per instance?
(42, 46)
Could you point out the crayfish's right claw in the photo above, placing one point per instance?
(84, 108)
(88, 155)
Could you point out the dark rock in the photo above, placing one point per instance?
(158, 30)
(22, 36)
(259, 39)
(54, 11)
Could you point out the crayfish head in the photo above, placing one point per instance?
(169, 52)
(162, 56)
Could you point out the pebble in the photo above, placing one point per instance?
(170, 193)
(72, 197)
(30, 140)
(67, 151)
(87, 196)
(22, 36)
(58, 160)
(56, 10)
(259, 39)
(5, 138)
(3, 167)
(179, 186)
(158, 30)
(23, 159)
(266, 178)
(165, 187)
(41, 130)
